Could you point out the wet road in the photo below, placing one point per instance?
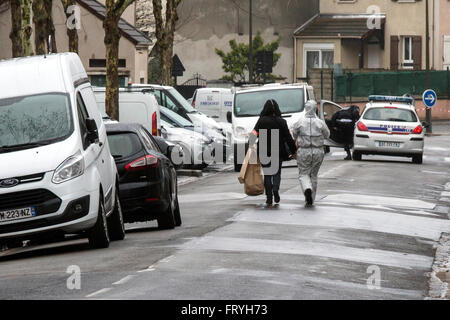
(370, 236)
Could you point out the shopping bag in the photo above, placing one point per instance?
(251, 175)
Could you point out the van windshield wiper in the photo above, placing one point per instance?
(21, 146)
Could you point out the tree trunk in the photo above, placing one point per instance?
(27, 28)
(112, 38)
(40, 30)
(49, 26)
(16, 29)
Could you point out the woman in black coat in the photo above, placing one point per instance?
(272, 152)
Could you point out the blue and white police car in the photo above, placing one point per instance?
(389, 126)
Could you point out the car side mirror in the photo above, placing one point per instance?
(229, 117)
(92, 134)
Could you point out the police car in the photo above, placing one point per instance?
(389, 126)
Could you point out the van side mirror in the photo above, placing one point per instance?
(92, 129)
(229, 117)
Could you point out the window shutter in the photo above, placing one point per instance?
(417, 52)
(394, 52)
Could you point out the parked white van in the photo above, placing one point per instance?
(57, 175)
(135, 106)
(249, 102)
(214, 102)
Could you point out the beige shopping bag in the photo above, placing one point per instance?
(251, 175)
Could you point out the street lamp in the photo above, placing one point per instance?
(427, 57)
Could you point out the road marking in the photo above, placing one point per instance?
(350, 218)
(379, 200)
(147, 270)
(124, 280)
(167, 259)
(447, 159)
(98, 292)
(189, 198)
(328, 250)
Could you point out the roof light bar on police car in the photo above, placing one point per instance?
(378, 98)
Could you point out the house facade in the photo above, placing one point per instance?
(133, 46)
(204, 25)
(366, 34)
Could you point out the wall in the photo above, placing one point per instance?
(205, 25)
(401, 19)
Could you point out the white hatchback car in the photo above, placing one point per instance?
(389, 126)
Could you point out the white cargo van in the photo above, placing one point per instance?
(57, 174)
(249, 102)
(214, 102)
(135, 106)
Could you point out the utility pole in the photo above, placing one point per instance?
(427, 57)
(250, 55)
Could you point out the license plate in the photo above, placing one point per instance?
(17, 214)
(389, 144)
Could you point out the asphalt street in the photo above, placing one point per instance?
(380, 216)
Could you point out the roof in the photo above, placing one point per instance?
(122, 127)
(352, 26)
(268, 87)
(127, 30)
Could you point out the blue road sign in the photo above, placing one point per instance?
(429, 98)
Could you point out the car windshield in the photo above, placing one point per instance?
(174, 118)
(123, 145)
(249, 104)
(390, 114)
(35, 120)
(186, 105)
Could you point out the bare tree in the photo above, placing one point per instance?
(114, 10)
(72, 32)
(165, 33)
(16, 28)
(21, 29)
(43, 26)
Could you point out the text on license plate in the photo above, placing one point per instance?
(389, 144)
(16, 214)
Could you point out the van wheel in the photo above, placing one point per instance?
(417, 159)
(99, 235)
(357, 156)
(167, 218)
(115, 221)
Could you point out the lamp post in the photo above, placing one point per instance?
(427, 58)
(250, 55)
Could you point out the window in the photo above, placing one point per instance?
(147, 137)
(390, 114)
(317, 55)
(82, 117)
(124, 145)
(408, 61)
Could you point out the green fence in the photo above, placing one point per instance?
(391, 83)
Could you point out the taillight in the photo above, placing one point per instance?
(361, 126)
(154, 124)
(417, 130)
(142, 163)
(193, 103)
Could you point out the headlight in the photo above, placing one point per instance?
(241, 132)
(71, 168)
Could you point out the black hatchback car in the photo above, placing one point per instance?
(148, 180)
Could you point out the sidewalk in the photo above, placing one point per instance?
(441, 127)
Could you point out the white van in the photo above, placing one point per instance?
(249, 102)
(135, 106)
(57, 175)
(214, 102)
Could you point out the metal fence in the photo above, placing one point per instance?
(396, 83)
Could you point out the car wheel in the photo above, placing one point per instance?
(357, 156)
(417, 159)
(167, 219)
(99, 235)
(115, 221)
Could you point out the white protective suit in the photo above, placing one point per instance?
(310, 133)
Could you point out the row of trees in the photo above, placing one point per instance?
(45, 40)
